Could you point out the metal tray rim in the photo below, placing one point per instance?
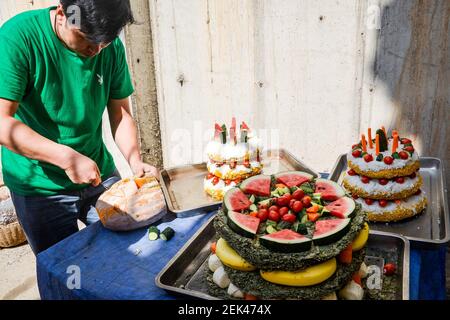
(405, 269)
(216, 203)
(446, 239)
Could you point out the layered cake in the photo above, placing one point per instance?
(232, 157)
(288, 236)
(384, 177)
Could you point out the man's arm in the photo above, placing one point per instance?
(125, 135)
(21, 139)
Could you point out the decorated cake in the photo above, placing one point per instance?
(232, 157)
(288, 236)
(384, 177)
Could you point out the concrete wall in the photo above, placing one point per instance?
(317, 72)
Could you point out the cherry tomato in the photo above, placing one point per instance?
(409, 148)
(297, 207)
(288, 197)
(400, 180)
(274, 216)
(306, 201)
(388, 160)
(365, 179)
(273, 208)
(389, 269)
(403, 155)
(369, 201)
(383, 203)
(213, 247)
(289, 218)
(298, 194)
(291, 203)
(351, 172)
(263, 214)
(282, 201)
(368, 158)
(283, 211)
(356, 153)
(383, 182)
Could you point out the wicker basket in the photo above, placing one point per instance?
(11, 235)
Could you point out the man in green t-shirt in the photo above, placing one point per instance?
(60, 68)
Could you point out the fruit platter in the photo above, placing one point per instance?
(288, 235)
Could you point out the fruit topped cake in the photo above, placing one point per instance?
(288, 236)
(384, 177)
(232, 157)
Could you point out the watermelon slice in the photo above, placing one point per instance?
(236, 200)
(330, 231)
(243, 224)
(342, 208)
(293, 178)
(329, 190)
(286, 241)
(258, 185)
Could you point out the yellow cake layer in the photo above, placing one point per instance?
(387, 173)
(398, 214)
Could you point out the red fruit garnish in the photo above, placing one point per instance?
(213, 247)
(263, 214)
(388, 160)
(237, 180)
(354, 146)
(405, 141)
(227, 182)
(274, 216)
(298, 206)
(383, 203)
(248, 296)
(282, 201)
(403, 155)
(369, 201)
(289, 218)
(215, 180)
(383, 182)
(253, 214)
(418, 192)
(210, 176)
(306, 201)
(400, 180)
(357, 278)
(280, 185)
(409, 148)
(351, 172)
(288, 197)
(291, 203)
(274, 208)
(356, 153)
(283, 211)
(413, 175)
(365, 179)
(389, 269)
(298, 194)
(398, 201)
(368, 158)
(313, 216)
(246, 164)
(355, 196)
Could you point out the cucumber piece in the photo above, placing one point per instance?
(271, 223)
(274, 194)
(284, 225)
(302, 229)
(252, 198)
(153, 233)
(307, 188)
(282, 191)
(167, 234)
(271, 229)
(304, 219)
(253, 208)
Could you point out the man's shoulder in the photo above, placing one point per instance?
(23, 24)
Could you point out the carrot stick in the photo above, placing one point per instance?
(364, 143)
(377, 144)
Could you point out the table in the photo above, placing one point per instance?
(123, 265)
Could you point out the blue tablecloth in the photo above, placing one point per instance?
(124, 265)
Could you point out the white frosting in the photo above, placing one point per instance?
(374, 186)
(229, 150)
(408, 203)
(208, 185)
(375, 165)
(225, 169)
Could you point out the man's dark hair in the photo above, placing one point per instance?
(101, 20)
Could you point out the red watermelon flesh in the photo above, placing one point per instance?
(293, 178)
(243, 223)
(329, 190)
(341, 208)
(285, 235)
(330, 231)
(236, 200)
(257, 185)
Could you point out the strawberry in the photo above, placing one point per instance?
(355, 196)
(409, 149)
(405, 141)
(209, 176)
(368, 158)
(400, 180)
(389, 269)
(227, 182)
(368, 201)
(403, 155)
(388, 160)
(215, 180)
(365, 179)
(382, 203)
(383, 182)
(356, 153)
(351, 172)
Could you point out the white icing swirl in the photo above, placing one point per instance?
(374, 185)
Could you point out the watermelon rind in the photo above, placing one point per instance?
(227, 204)
(286, 246)
(299, 173)
(339, 192)
(340, 230)
(245, 185)
(240, 228)
(350, 212)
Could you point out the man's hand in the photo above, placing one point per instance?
(141, 169)
(81, 169)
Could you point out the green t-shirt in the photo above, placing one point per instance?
(61, 96)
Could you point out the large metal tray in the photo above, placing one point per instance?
(184, 273)
(429, 229)
(183, 186)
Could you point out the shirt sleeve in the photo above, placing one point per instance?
(121, 85)
(14, 69)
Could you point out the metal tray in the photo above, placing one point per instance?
(429, 229)
(183, 186)
(184, 273)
